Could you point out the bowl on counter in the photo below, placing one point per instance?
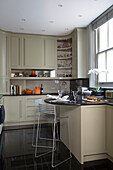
(28, 91)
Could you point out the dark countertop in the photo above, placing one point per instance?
(78, 103)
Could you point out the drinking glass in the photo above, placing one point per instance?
(60, 93)
(75, 95)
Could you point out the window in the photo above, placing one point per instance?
(104, 50)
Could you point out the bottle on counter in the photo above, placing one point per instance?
(20, 90)
(37, 90)
(41, 89)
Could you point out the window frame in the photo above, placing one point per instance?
(97, 51)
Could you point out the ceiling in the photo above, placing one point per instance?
(49, 17)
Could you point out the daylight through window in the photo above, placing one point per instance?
(104, 50)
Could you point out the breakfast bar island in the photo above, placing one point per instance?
(91, 127)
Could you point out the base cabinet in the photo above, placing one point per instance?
(94, 130)
(87, 131)
(20, 110)
(14, 109)
(30, 107)
(110, 131)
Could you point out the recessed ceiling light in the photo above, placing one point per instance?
(80, 15)
(60, 5)
(21, 28)
(23, 19)
(51, 21)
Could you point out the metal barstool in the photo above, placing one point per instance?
(37, 102)
(48, 112)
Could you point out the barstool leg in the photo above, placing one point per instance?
(33, 137)
(37, 135)
(53, 148)
(69, 137)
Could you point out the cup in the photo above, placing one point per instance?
(60, 93)
(75, 95)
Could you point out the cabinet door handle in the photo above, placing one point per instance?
(19, 51)
(20, 108)
(44, 53)
(6, 86)
(7, 56)
(24, 51)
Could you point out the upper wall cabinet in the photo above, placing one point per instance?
(4, 55)
(33, 52)
(16, 51)
(50, 53)
(82, 60)
(4, 63)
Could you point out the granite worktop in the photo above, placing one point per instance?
(79, 102)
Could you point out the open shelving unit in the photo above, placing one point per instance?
(64, 57)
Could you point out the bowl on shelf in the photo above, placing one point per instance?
(32, 75)
(28, 91)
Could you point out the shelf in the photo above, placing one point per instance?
(63, 68)
(31, 78)
(61, 49)
(64, 58)
(41, 78)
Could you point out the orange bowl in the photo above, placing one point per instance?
(28, 91)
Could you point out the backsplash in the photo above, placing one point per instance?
(84, 82)
(49, 86)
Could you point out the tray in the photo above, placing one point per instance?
(95, 101)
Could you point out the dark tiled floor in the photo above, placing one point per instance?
(16, 153)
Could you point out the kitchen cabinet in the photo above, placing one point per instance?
(87, 131)
(109, 127)
(4, 85)
(40, 52)
(50, 50)
(4, 55)
(30, 106)
(94, 129)
(4, 63)
(16, 51)
(33, 52)
(14, 109)
(20, 110)
(82, 60)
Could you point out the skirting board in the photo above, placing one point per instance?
(95, 157)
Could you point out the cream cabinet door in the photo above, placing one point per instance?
(16, 51)
(13, 109)
(50, 53)
(33, 52)
(31, 106)
(4, 85)
(4, 55)
(110, 130)
(94, 129)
